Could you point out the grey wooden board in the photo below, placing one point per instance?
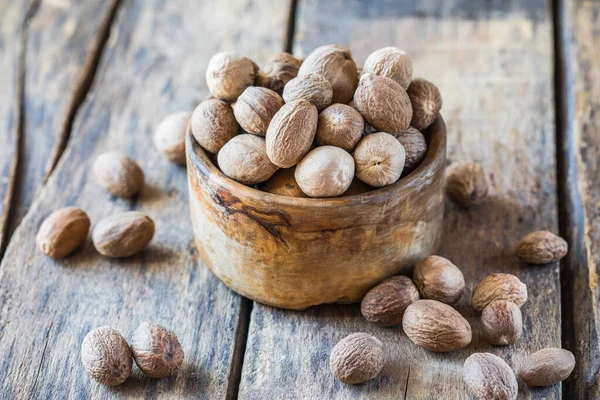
(153, 64)
(493, 64)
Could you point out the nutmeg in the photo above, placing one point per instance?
(415, 147)
(156, 350)
(213, 124)
(229, 74)
(488, 377)
(357, 358)
(340, 125)
(169, 137)
(379, 159)
(278, 71)
(63, 231)
(426, 102)
(499, 287)
(244, 159)
(106, 356)
(541, 247)
(385, 303)
(283, 183)
(123, 235)
(501, 322)
(255, 108)
(118, 174)
(312, 87)
(466, 183)
(325, 171)
(392, 63)
(438, 279)
(547, 367)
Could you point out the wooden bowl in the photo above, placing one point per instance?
(298, 252)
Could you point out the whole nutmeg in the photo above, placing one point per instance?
(244, 159)
(118, 174)
(436, 326)
(123, 235)
(385, 303)
(488, 377)
(255, 108)
(438, 279)
(357, 187)
(357, 358)
(325, 171)
(278, 71)
(106, 356)
(169, 137)
(392, 63)
(156, 350)
(499, 287)
(213, 124)
(501, 322)
(291, 133)
(229, 74)
(340, 125)
(335, 63)
(283, 183)
(415, 147)
(383, 103)
(426, 102)
(541, 247)
(466, 183)
(379, 159)
(547, 367)
(312, 87)
(63, 231)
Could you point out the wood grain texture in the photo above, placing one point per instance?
(493, 64)
(154, 64)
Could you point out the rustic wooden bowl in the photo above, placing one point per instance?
(299, 252)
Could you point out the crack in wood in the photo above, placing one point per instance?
(39, 368)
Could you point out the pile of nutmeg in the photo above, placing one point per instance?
(315, 128)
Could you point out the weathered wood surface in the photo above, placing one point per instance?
(493, 64)
(578, 25)
(153, 64)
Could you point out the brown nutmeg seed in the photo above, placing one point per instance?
(357, 358)
(283, 183)
(392, 63)
(213, 124)
(255, 109)
(118, 174)
(547, 367)
(426, 102)
(385, 303)
(278, 71)
(325, 171)
(466, 183)
(63, 231)
(488, 377)
(156, 350)
(340, 125)
(123, 235)
(312, 87)
(499, 287)
(244, 159)
(541, 247)
(106, 356)
(379, 159)
(229, 74)
(415, 147)
(169, 137)
(501, 322)
(438, 279)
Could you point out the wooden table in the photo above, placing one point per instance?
(521, 87)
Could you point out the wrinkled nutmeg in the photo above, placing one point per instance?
(385, 303)
(335, 63)
(283, 183)
(106, 356)
(415, 147)
(244, 159)
(488, 377)
(278, 71)
(499, 287)
(123, 235)
(383, 103)
(438, 279)
(501, 322)
(357, 358)
(312, 87)
(63, 231)
(340, 125)
(547, 367)
(541, 247)
(156, 350)
(379, 159)
(169, 137)
(466, 183)
(426, 102)
(229, 74)
(213, 124)
(118, 174)
(255, 108)
(392, 63)
(325, 171)
(436, 326)
(291, 133)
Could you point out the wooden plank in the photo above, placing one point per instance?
(154, 64)
(579, 72)
(493, 64)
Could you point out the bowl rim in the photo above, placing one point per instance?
(200, 160)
